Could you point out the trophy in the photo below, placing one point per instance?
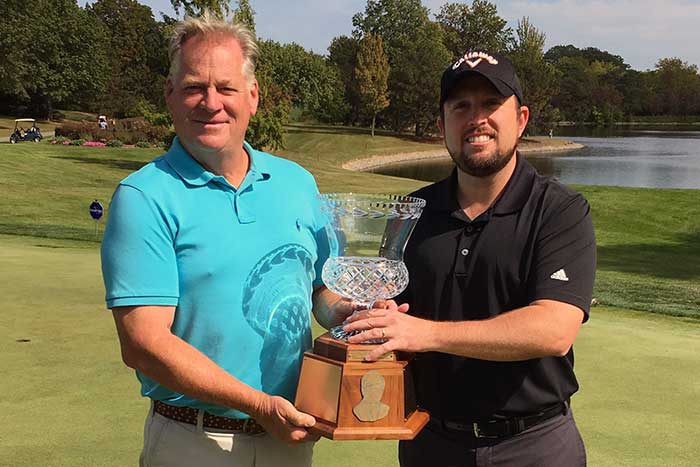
(349, 397)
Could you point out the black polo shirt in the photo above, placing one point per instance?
(535, 242)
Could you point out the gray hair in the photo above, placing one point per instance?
(210, 25)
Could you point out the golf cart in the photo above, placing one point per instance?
(30, 134)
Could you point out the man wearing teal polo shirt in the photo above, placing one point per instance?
(209, 258)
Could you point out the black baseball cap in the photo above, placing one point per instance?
(492, 66)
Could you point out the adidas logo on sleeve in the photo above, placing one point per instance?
(560, 275)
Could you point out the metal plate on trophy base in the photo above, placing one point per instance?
(356, 400)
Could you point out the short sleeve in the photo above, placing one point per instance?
(565, 256)
(323, 240)
(138, 257)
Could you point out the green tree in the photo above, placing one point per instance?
(477, 26)
(396, 21)
(372, 74)
(15, 32)
(591, 85)
(591, 54)
(416, 92)
(220, 8)
(416, 54)
(245, 14)
(538, 78)
(638, 89)
(312, 83)
(137, 51)
(53, 58)
(326, 102)
(576, 86)
(266, 127)
(342, 54)
(677, 87)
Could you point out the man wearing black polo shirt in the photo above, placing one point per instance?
(501, 267)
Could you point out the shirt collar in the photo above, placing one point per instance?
(517, 190)
(512, 199)
(193, 173)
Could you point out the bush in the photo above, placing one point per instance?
(115, 143)
(168, 139)
(77, 142)
(129, 137)
(142, 144)
(149, 112)
(128, 131)
(73, 130)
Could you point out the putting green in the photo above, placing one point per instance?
(67, 399)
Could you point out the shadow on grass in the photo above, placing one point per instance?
(63, 232)
(330, 129)
(340, 130)
(670, 261)
(112, 163)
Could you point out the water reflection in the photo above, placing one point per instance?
(646, 157)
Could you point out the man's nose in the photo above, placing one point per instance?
(211, 100)
(478, 116)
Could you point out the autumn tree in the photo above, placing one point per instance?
(372, 74)
(416, 54)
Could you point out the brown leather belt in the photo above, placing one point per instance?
(189, 415)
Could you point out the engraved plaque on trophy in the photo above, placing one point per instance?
(349, 397)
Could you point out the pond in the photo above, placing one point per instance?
(632, 157)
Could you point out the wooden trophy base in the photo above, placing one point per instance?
(354, 399)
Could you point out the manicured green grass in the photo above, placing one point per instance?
(67, 400)
(647, 238)
(322, 150)
(46, 189)
(648, 248)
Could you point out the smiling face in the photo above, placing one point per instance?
(209, 97)
(481, 127)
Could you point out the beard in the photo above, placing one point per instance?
(481, 167)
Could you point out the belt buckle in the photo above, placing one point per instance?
(478, 433)
(249, 426)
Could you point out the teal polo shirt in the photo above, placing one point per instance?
(239, 265)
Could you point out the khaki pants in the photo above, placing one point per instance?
(168, 443)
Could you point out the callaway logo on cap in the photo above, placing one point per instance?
(492, 66)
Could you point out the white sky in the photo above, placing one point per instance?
(641, 31)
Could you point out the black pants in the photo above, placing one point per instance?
(553, 443)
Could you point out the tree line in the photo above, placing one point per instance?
(111, 57)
